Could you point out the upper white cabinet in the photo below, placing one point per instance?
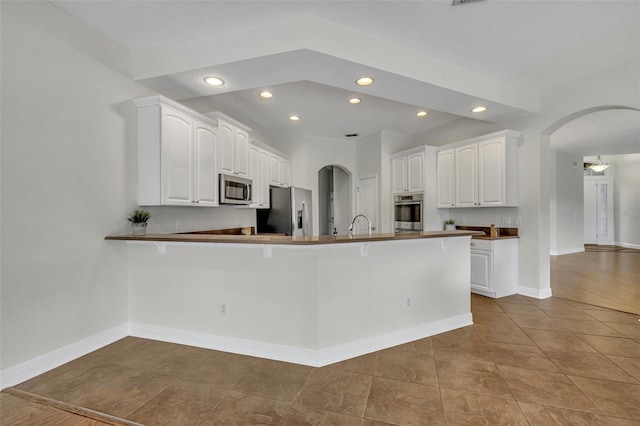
(176, 155)
(233, 146)
(279, 170)
(446, 178)
(408, 171)
(479, 172)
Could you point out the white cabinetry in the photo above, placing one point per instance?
(279, 171)
(233, 146)
(479, 172)
(176, 155)
(494, 267)
(259, 173)
(408, 171)
(446, 178)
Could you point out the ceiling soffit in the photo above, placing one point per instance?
(308, 48)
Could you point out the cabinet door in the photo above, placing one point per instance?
(446, 178)
(415, 172)
(482, 270)
(254, 174)
(263, 170)
(274, 170)
(467, 176)
(177, 157)
(285, 172)
(226, 136)
(491, 173)
(399, 174)
(205, 191)
(241, 153)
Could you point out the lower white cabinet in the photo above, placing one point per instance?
(494, 267)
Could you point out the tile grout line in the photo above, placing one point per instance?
(70, 408)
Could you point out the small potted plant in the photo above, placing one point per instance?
(139, 219)
(449, 225)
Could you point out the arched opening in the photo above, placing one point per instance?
(614, 133)
(334, 199)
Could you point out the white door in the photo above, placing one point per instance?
(254, 174)
(177, 157)
(205, 192)
(467, 176)
(598, 205)
(263, 190)
(590, 212)
(482, 270)
(274, 170)
(446, 178)
(367, 203)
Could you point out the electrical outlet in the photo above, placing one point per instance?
(407, 302)
(519, 221)
(178, 225)
(224, 309)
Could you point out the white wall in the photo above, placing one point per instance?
(567, 204)
(625, 170)
(67, 182)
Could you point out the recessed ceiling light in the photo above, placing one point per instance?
(364, 81)
(479, 109)
(214, 81)
(354, 101)
(422, 113)
(266, 95)
(294, 118)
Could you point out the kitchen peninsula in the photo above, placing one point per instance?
(308, 300)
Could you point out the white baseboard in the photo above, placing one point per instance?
(295, 355)
(537, 293)
(376, 343)
(627, 245)
(36, 366)
(569, 251)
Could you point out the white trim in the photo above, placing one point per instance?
(295, 355)
(372, 344)
(569, 251)
(627, 245)
(38, 365)
(537, 293)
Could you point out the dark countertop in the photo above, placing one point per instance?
(285, 240)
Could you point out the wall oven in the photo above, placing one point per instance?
(408, 212)
(235, 190)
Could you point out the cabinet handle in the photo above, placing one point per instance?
(473, 244)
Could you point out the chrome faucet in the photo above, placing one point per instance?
(369, 228)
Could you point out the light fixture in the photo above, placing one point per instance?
(354, 101)
(479, 109)
(364, 81)
(213, 81)
(598, 166)
(294, 118)
(266, 94)
(422, 114)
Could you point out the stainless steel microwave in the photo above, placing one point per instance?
(235, 189)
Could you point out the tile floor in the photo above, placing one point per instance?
(524, 361)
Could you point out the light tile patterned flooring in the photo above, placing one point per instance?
(524, 361)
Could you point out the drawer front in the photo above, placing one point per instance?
(481, 245)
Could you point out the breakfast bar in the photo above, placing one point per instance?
(308, 300)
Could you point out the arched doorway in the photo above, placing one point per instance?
(596, 278)
(334, 200)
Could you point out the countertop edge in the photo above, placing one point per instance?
(283, 240)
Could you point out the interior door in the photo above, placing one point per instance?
(367, 203)
(590, 212)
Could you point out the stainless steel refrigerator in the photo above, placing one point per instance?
(290, 212)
